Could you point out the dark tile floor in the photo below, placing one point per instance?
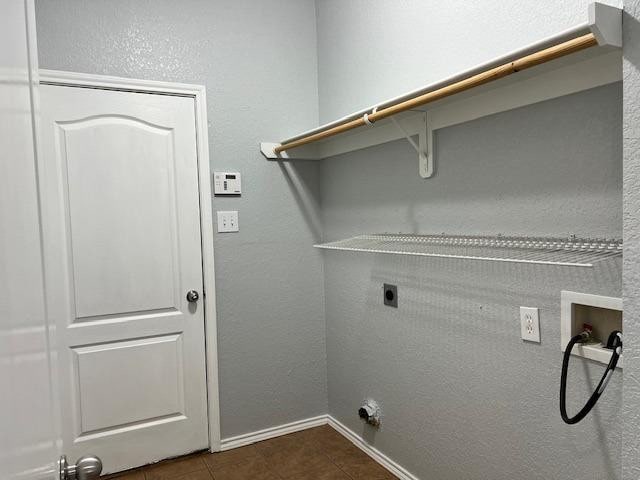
(316, 454)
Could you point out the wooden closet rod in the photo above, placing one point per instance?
(528, 61)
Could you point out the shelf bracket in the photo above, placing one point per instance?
(429, 167)
(424, 146)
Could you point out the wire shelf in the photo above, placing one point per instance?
(546, 251)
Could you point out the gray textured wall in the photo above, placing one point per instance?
(463, 397)
(631, 272)
(553, 168)
(261, 85)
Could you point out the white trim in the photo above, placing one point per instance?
(199, 95)
(208, 270)
(395, 468)
(89, 80)
(273, 432)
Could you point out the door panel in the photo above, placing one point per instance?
(146, 155)
(149, 370)
(122, 248)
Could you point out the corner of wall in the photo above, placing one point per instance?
(631, 207)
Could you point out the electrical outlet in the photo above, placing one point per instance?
(530, 324)
(390, 293)
(228, 221)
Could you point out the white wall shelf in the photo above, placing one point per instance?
(546, 251)
(587, 68)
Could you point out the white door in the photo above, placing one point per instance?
(121, 222)
(27, 436)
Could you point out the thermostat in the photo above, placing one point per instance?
(226, 183)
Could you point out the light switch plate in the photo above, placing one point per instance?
(530, 324)
(228, 221)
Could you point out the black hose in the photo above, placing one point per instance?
(615, 340)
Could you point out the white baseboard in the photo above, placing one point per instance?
(357, 440)
(267, 433)
(399, 471)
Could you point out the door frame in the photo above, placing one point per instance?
(199, 95)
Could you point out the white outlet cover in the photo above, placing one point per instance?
(228, 221)
(530, 324)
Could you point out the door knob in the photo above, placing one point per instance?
(192, 296)
(88, 467)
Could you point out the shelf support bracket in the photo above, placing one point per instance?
(423, 148)
(430, 164)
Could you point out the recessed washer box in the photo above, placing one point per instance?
(603, 313)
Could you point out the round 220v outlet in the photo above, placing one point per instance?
(390, 295)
